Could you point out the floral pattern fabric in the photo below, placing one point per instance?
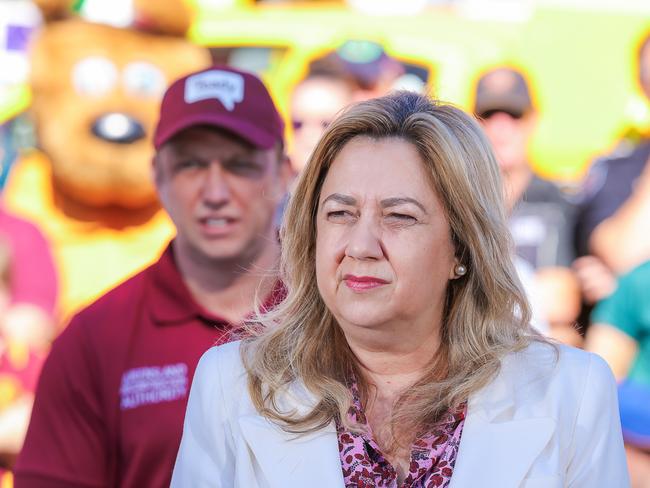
(433, 454)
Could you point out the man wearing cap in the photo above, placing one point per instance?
(610, 230)
(110, 403)
(541, 219)
(613, 225)
(610, 183)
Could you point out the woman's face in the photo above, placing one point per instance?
(384, 253)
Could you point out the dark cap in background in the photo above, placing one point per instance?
(502, 90)
(365, 60)
(226, 98)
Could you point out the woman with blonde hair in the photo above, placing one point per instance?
(402, 355)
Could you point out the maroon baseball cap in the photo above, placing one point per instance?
(222, 97)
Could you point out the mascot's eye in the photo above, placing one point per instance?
(142, 78)
(94, 76)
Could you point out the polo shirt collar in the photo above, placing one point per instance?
(171, 303)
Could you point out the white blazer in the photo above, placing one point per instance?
(545, 421)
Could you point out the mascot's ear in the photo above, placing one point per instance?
(171, 17)
(47, 48)
(55, 9)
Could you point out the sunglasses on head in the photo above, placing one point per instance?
(512, 113)
(299, 124)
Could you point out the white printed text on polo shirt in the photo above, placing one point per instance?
(153, 384)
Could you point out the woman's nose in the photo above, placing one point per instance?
(364, 240)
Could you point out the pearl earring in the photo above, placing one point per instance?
(460, 270)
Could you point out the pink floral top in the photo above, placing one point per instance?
(433, 454)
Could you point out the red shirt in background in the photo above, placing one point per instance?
(111, 399)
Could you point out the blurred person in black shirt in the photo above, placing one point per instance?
(541, 219)
(609, 184)
(609, 238)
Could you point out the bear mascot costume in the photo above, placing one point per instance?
(96, 91)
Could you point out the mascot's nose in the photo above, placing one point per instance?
(118, 128)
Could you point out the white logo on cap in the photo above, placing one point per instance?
(225, 86)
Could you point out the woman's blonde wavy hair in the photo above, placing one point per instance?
(486, 313)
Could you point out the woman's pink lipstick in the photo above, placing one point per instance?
(363, 283)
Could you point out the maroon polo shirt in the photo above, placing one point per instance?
(111, 399)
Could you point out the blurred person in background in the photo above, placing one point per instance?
(356, 70)
(33, 276)
(326, 89)
(111, 399)
(7, 439)
(28, 289)
(374, 71)
(611, 247)
(623, 240)
(541, 218)
(621, 206)
(620, 333)
(620, 330)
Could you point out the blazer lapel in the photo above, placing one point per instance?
(496, 448)
(499, 444)
(287, 459)
(498, 455)
(492, 454)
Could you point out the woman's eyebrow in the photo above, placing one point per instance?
(340, 198)
(392, 202)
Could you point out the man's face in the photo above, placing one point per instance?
(314, 104)
(510, 136)
(221, 193)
